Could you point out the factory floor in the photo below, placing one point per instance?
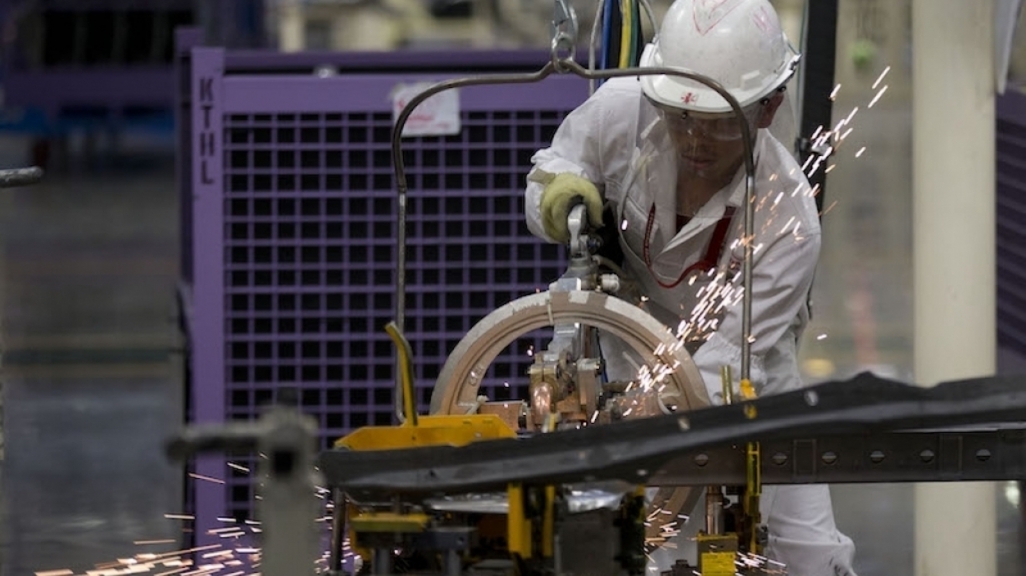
(91, 383)
(89, 267)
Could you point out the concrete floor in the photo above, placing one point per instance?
(91, 387)
(88, 275)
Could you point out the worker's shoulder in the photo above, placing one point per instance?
(617, 91)
(609, 105)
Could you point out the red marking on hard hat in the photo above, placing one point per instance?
(709, 13)
(689, 98)
(762, 19)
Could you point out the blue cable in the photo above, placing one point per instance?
(607, 17)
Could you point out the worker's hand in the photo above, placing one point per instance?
(560, 195)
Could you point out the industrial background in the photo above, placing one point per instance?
(114, 289)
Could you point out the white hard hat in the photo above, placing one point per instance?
(738, 43)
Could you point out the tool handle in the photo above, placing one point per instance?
(20, 177)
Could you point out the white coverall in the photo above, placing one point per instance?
(599, 141)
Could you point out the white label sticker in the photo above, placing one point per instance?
(439, 115)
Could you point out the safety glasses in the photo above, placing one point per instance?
(723, 127)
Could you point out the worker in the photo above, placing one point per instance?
(665, 156)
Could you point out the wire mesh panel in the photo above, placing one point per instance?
(295, 236)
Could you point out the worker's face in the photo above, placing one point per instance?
(711, 145)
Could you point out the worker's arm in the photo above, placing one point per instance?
(590, 146)
(781, 279)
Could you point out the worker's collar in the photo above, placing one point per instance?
(731, 195)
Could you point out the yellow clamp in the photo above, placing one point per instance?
(405, 353)
(748, 393)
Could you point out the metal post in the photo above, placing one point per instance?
(338, 533)
(953, 255)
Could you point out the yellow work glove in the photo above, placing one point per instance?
(560, 195)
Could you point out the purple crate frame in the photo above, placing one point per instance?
(224, 102)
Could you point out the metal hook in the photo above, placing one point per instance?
(564, 34)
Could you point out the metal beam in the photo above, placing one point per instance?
(935, 456)
(634, 450)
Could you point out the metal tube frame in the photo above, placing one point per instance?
(562, 62)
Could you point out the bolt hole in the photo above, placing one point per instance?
(983, 454)
(779, 458)
(811, 397)
(701, 460)
(829, 458)
(927, 455)
(876, 456)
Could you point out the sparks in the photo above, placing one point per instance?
(833, 95)
(786, 226)
(840, 124)
(878, 95)
(851, 115)
(808, 161)
(860, 152)
(880, 79)
(206, 478)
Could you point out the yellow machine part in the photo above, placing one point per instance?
(430, 431)
(718, 564)
(717, 554)
(389, 522)
(518, 525)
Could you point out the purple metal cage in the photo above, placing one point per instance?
(292, 225)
